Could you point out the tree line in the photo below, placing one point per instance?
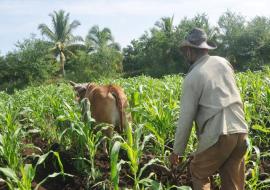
(62, 55)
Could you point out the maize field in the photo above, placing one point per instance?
(45, 143)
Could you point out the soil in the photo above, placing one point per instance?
(79, 180)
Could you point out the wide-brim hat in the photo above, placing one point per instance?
(197, 38)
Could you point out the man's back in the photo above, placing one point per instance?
(210, 97)
(220, 109)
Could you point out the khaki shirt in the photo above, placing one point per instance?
(211, 98)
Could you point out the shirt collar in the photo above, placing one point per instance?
(198, 62)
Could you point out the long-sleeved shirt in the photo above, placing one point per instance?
(211, 98)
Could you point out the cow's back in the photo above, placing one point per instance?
(108, 105)
(104, 107)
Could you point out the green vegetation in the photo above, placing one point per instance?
(45, 141)
(61, 54)
(156, 53)
(138, 158)
(61, 36)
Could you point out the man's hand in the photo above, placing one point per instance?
(175, 159)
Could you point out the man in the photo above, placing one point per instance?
(211, 98)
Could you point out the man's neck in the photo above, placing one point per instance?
(199, 56)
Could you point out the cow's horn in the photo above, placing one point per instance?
(72, 83)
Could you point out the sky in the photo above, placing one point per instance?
(127, 19)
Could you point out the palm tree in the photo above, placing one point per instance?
(97, 39)
(60, 35)
(166, 25)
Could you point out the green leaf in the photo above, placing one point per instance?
(180, 187)
(42, 158)
(115, 168)
(266, 181)
(9, 173)
(149, 163)
(146, 139)
(129, 135)
(28, 172)
(154, 185)
(260, 128)
(56, 154)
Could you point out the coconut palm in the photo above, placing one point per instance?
(165, 25)
(60, 35)
(99, 39)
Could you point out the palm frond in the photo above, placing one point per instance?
(107, 35)
(93, 36)
(115, 46)
(45, 30)
(75, 47)
(74, 39)
(54, 51)
(94, 30)
(107, 31)
(73, 26)
(99, 38)
(58, 22)
(68, 53)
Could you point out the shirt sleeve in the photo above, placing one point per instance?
(188, 109)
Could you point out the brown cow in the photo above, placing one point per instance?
(108, 104)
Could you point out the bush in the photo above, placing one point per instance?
(31, 63)
(104, 63)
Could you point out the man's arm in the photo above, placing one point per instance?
(188, 109)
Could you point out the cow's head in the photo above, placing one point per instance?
(80, 90)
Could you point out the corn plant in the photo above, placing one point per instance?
(9, 147)
(134, 148)
(154, 104)
(82, 132)
(22, 180)
(253, 161)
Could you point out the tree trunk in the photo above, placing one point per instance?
(62, 62)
